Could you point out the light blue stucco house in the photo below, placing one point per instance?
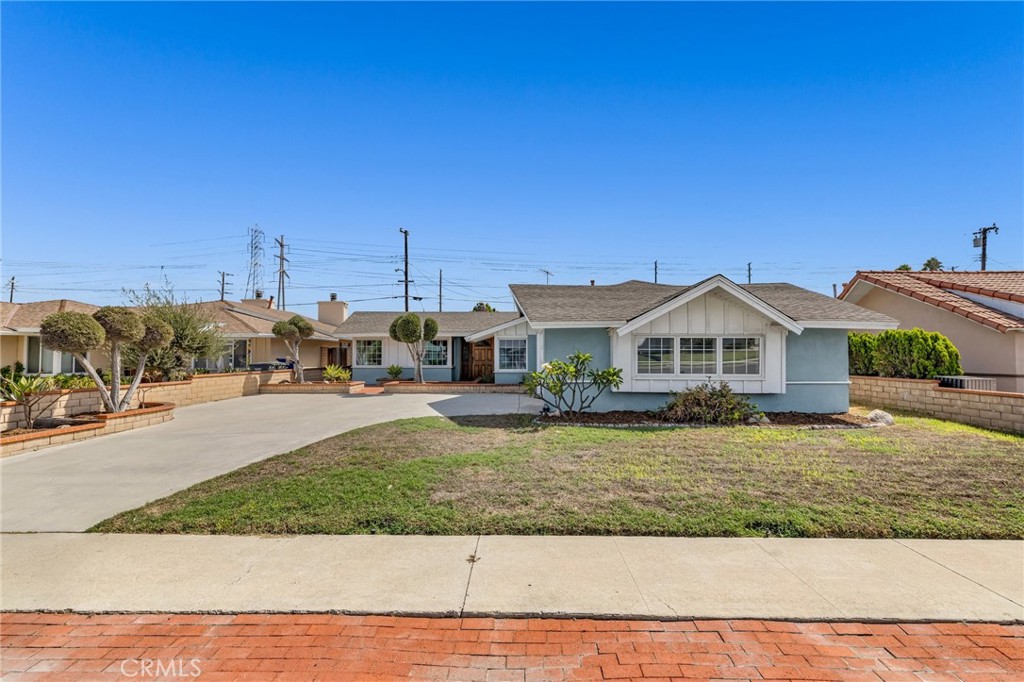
(781, 345)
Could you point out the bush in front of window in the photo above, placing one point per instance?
(570, 387)
(708, 403)
(337, 374)
(915, 354)
(395, 372)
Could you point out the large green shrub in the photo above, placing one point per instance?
(708, 403)
(915, 354)
(862, 354)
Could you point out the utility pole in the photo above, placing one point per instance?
(655, 272)
(749, 272)
(405, 279)
(547, 275)
(281, 272)
(440, 290)
(224, 282)
(981, 239)
(10, 296)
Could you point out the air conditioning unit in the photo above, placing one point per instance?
(969, 383)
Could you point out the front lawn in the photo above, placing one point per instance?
(502, 475)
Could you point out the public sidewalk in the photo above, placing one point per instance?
(629, 577)
(330, 648)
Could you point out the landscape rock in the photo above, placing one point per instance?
(881, 417)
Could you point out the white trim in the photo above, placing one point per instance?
(719, 358)
(491, 331)
(847, 324)
(818, 383)
(448, 341)
(355, 354)
(539, 360)
(497, 354)
(708, 285)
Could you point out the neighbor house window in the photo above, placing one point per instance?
(741, 355)
(654, 355)
(512, 354)
(42, 360)
(698, 355)
(370, 352)
(436, 353)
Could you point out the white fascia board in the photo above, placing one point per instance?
(491, 331)
(708, 285)
(859, 289)
(847, 324)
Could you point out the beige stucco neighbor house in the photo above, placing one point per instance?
(982, 313)
(19, 336)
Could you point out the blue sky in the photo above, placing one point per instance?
(586, 139)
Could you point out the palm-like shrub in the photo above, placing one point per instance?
(31, 392)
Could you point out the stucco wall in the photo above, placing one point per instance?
(983, 350)
(12, 350)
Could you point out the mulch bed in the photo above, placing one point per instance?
(626, 418)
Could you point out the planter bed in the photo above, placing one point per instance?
(449, 387)
(94, 425)
(624, 419)
(314, 387)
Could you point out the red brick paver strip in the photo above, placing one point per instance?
(321, 647)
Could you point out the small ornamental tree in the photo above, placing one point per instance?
(292, 332)
(483, 307)
(113, 328)
(571, 387)
(408, 329)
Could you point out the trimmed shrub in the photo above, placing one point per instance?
(915, 354)
(708, 404)
(862, 354)
(72, 332)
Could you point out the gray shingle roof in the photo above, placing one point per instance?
(450, 324)
(625, 301)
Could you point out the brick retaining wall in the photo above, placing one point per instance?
(201, 388)
(335, 387)
(991, 409)
(449, 387)
(152, 413)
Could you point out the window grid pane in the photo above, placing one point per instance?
(741, 356)
(436, 354)
(655, 356)
(370, 352)
(512, 354)
(698, 356)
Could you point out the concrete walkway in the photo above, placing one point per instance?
(72, 487)
(497, 575)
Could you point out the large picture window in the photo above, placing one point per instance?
(42, 360)
(369, 352)
(436, 353)
(698, 356)
(655, 355)
(741, 355)
(512, 354)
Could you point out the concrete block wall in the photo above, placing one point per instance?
(990, 409)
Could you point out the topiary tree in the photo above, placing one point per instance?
(113, 328)
(156, 334)
(415, 335)
(292, 332)
(571, 386)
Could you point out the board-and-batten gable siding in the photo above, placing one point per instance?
(520, 330)
(712, 314)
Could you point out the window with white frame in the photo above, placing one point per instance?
(512, 354)
(436, 353)
(42, 360)
(698, 355)
(655, 355)
(741, 355)
(369, 352)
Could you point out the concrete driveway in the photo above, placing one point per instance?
(72, 487)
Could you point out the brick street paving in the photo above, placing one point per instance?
(312, 647)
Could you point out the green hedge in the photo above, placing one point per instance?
(903, 353)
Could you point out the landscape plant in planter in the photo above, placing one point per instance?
(408, 329)
(337, 374)
(293, 332)
(113, 328)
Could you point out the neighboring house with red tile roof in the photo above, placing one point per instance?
(982, 313)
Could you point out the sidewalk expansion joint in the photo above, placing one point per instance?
(472, 559)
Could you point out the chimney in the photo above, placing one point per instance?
(332, 312)
(259, 301)
(591, 282)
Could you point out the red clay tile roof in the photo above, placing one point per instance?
(937, 289)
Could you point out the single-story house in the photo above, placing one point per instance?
(19, 337)
(449, 357)
(784, 346)
(982, 313)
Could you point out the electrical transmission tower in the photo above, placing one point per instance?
(255, 281)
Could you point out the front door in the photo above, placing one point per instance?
(482, 355)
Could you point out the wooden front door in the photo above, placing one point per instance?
(481, 359)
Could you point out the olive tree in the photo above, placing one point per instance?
(292, 332)
(408, 329)
(114, 329)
